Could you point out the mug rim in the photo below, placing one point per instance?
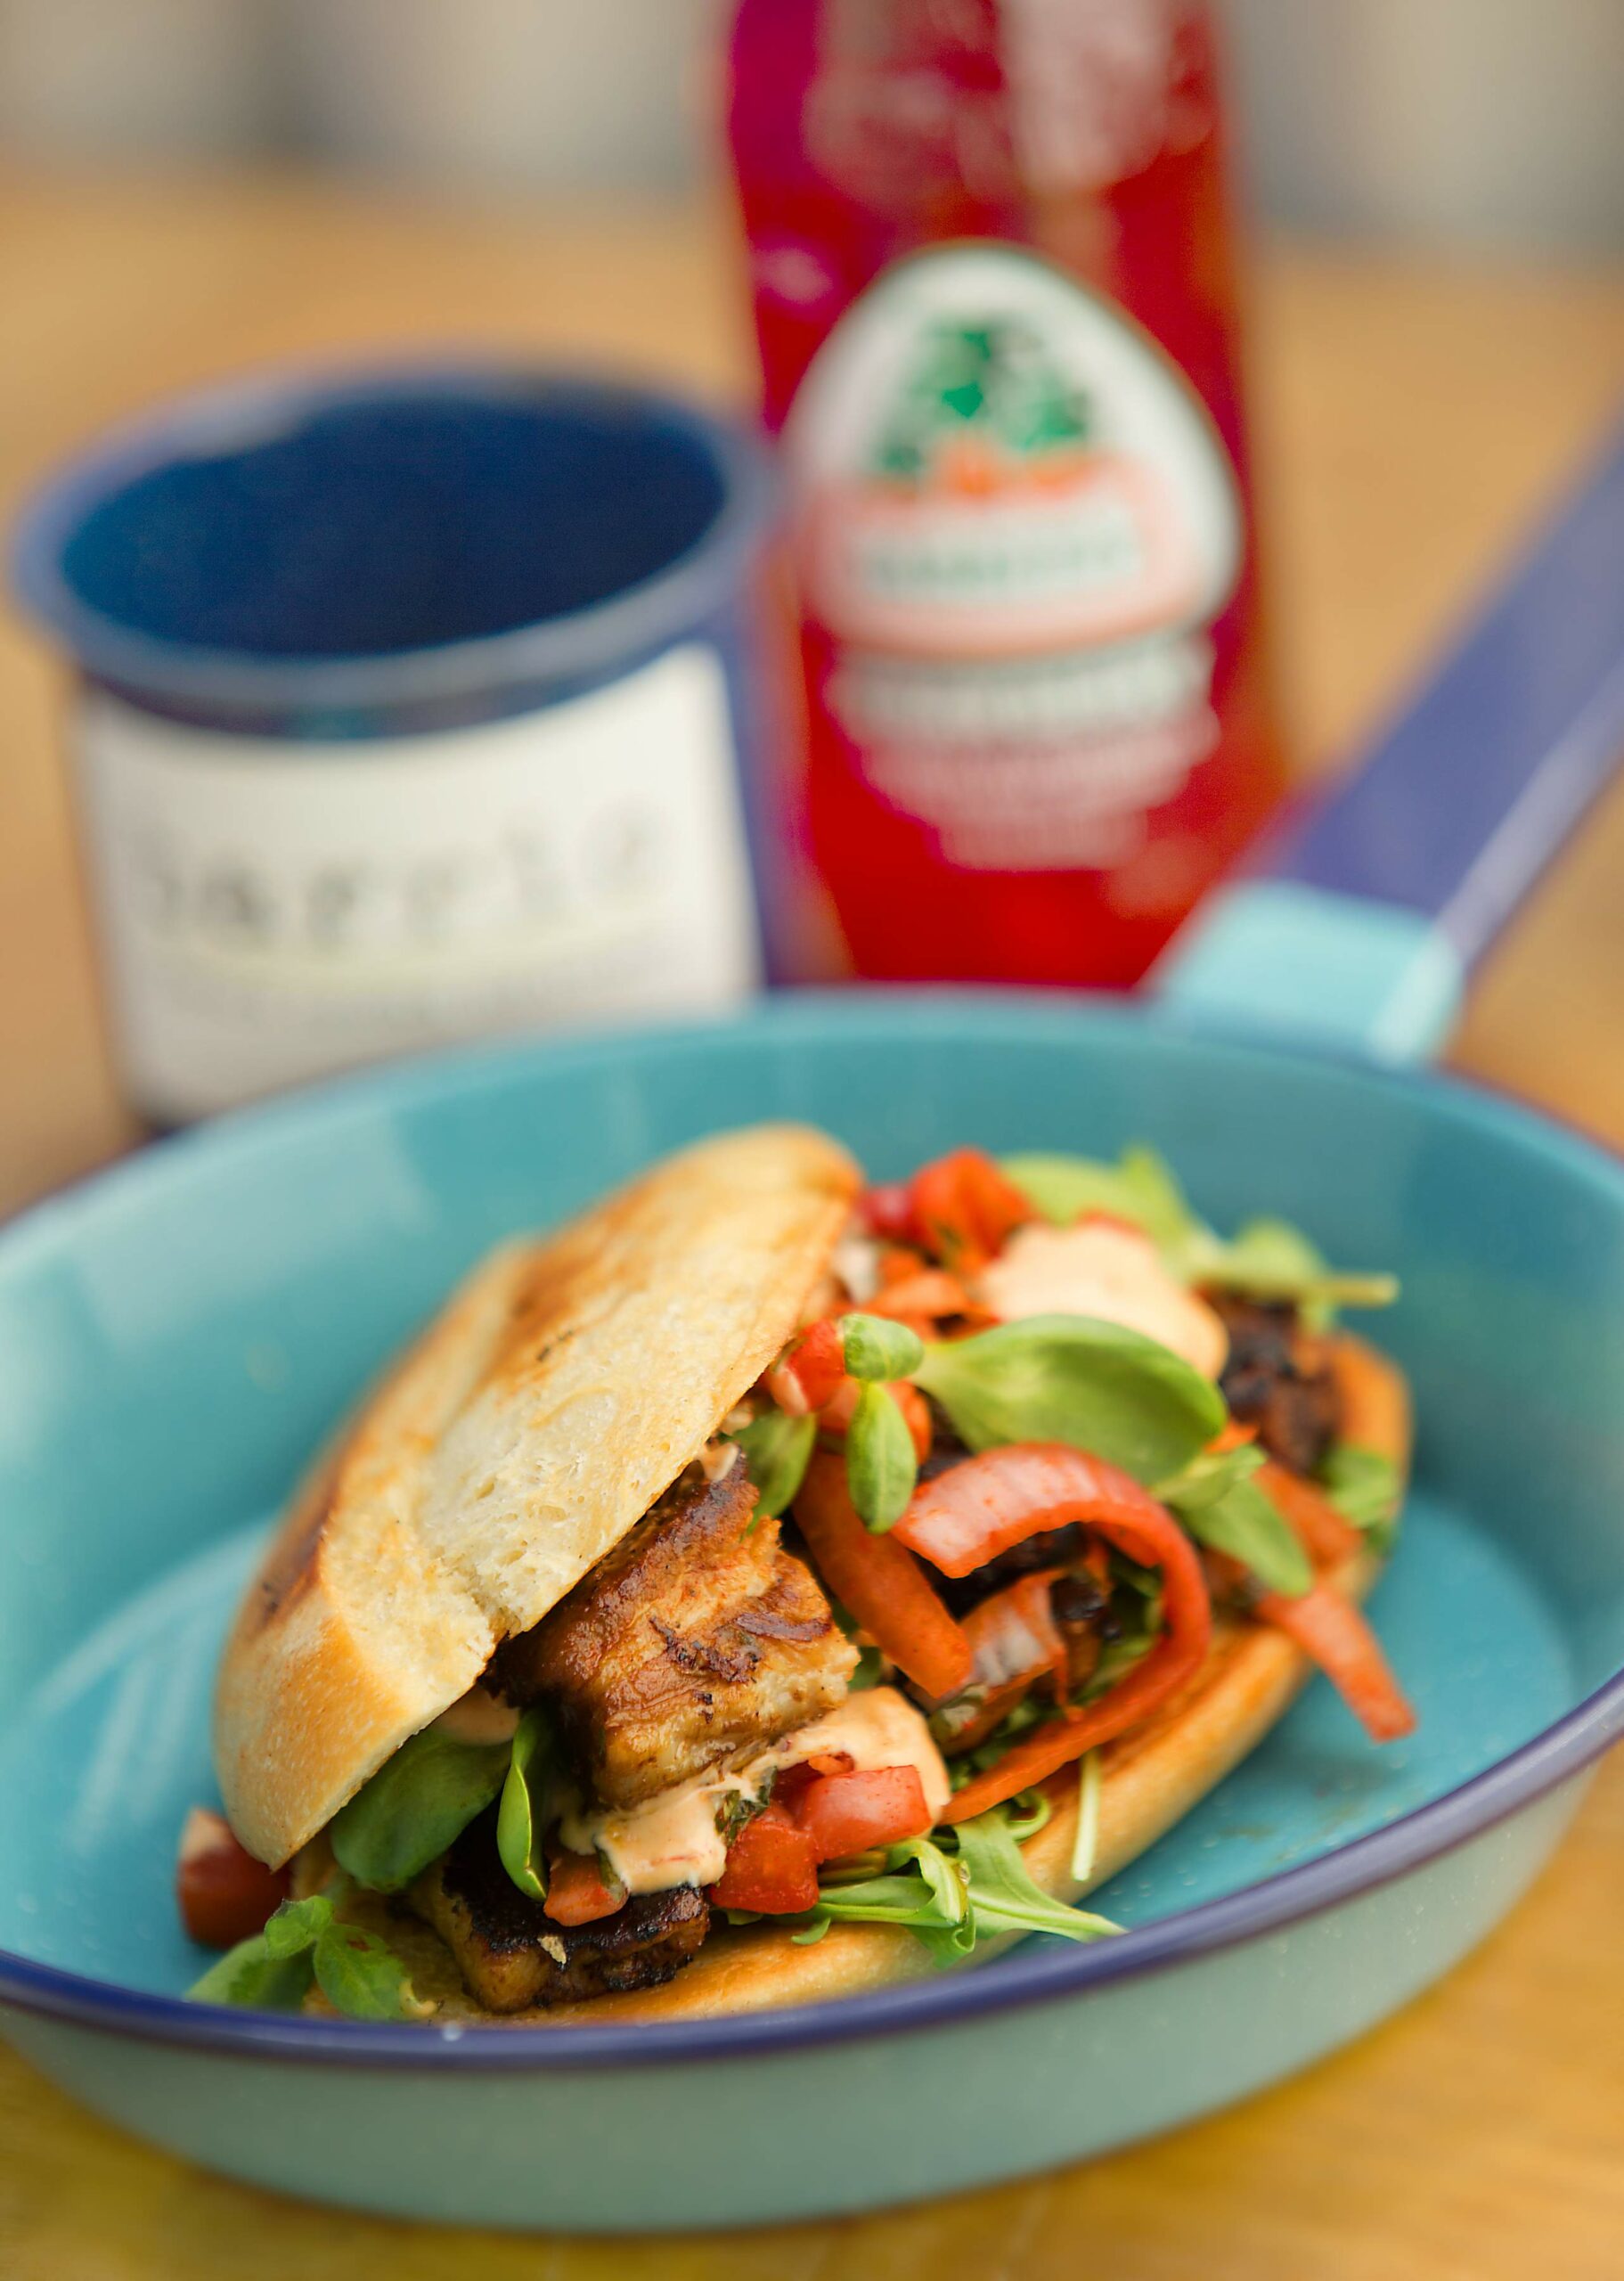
(544, 657)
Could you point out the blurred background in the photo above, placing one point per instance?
(1433, 202)
(1487, 124)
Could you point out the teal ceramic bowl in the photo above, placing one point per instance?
(177, 1334)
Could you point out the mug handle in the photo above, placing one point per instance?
(1361, 918)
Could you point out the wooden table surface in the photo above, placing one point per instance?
(1411, 419)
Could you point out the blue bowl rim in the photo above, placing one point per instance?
(564, 652)
(1028, 1976)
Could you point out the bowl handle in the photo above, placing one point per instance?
(1361, 916)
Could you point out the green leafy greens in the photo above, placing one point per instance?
(1266, 1259)
(1098, 1386)
(876, 1348)
(413, 1807)
(952, 1890)
(1365, 1487)
(1221, 1505)
(306, 1942)
(529, 1801)
(880, 1465)
(777, 1448)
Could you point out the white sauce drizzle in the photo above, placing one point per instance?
(1114, 1273)
(674, 1840)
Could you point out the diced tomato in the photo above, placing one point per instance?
(1326, 1538)
(848, 1813)
(1327, 1626)
(881, 1586)
(887, 1211)
(225, 1895)
(577, 1892)
(810, 1374)
(966, 1207)
(770, 1868)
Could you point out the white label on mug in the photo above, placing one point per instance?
(273, 909)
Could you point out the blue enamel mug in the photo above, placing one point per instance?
(181, 1333)
(412, 706)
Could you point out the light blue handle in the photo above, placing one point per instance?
(1362, 918)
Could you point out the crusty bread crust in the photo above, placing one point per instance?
(566, 1386)
(1150, 1779)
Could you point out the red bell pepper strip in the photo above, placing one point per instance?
(848, 1813)
(810, 1374)
(1016, 1492)
(966, 1516)
(965, 1207)
(881, 1587)
(1014, 1636)
(1327, 1626)
(771, 1867)
(225, 1895)
(576, 1891)
(1326, 1538)
(924, 1297)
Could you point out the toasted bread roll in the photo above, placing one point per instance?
(565, 1387)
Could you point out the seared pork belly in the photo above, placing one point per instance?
(697, 1640)
(1278, 1379)
(512, 1955)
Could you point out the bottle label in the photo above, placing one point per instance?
(272, 911)
(1016, 524)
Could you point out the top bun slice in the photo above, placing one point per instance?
(565, 1387)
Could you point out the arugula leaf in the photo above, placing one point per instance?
(1266, 1259)
(1270, 1259)
(880, 1465)
(1099, 1386)
(1250, 1527)
(413, 1807)
(930, 1903)
(297, 1926)
(1003, 1896)
(1365, 1487)
(249, 1977)
(528, 1802)
(360, 1977)
(1086, 1843)
(877, 1348)
(358, 1972)
(1209, 1476)
(777, 1448)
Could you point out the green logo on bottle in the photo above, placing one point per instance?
(985, 392)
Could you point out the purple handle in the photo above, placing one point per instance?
(1363, 914)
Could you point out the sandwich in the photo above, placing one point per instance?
(769, 1586)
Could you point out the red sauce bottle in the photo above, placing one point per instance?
(992, 268)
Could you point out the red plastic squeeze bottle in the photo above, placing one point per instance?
(992, 268)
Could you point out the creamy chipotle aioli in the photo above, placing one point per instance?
(1114, 1273)
(673, 1839)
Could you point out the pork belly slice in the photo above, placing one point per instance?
(511, 1955)
(693, 1644)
